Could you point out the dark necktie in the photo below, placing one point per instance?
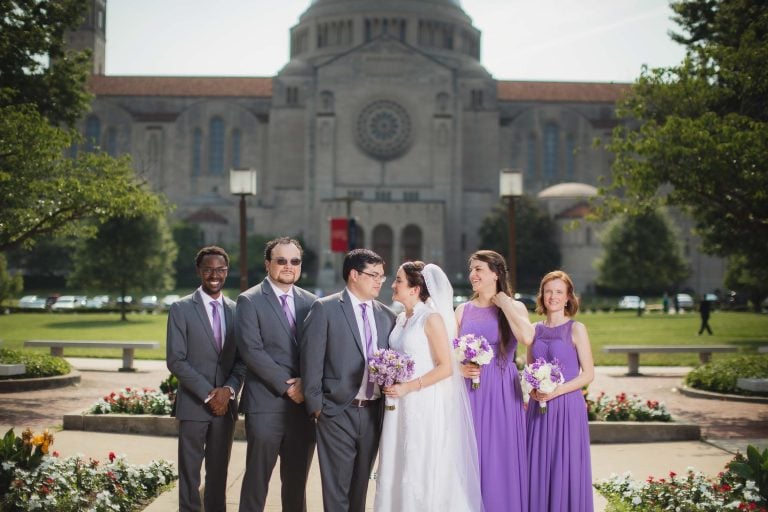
(216, 320)
(288, 313)
(368, 346)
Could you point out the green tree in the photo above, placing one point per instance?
(641, 255)
(10, 284)
(537, 252)
(44, 193)
(750, 278)
(127, 255)
(35, 66)
(188, 238)
(697, 133)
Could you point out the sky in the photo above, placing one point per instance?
(553, 40)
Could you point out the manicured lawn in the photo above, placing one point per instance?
(16, 328)
(745, 330)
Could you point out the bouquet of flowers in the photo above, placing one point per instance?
(473, 349)
(388, 367)
(542, 376)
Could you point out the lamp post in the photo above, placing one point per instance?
(242, 182)
(510, 187)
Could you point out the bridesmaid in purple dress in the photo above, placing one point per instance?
(558, 440)
(497, 406)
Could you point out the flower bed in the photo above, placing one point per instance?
(625, 408)
(742, 486)
(133, 401)
(33, 479)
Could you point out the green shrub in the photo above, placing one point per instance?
(721, 376)
(37, 365)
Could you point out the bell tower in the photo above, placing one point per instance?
(92, 35)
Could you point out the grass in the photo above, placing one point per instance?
(745, 330)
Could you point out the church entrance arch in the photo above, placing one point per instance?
(411, 241)
(381, 239)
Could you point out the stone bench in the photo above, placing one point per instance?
(633, 352)
(128, 347)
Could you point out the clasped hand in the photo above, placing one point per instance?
(295, 391)
(469, 370)
(219, 401)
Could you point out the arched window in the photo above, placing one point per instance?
(551, 135)
(197, 152)
(382, 242)
(531, 154)
(92, 133)
(216, 146)
(112, 141)
(570, 157)
(236, 140)
(411, 242)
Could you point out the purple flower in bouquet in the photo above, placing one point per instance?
(470, 348)
(388, 367)
(543, 376)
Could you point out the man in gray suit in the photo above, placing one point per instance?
(270, 317)
(341, 333)
(202, 354)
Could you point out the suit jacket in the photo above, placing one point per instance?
(192, 357)
(267, 346)
(332, 358)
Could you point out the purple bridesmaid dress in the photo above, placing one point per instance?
(499, 419)
(558, 441)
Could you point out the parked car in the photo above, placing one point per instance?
(69, 302)
(149, 302)
(32, 302)
(97, 302)
(169, 299)
(631, 302)
(528, 300)
(127, 300)
(685, 301)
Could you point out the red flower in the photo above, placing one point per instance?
(672, 474)
(55, 454)
(112, 456)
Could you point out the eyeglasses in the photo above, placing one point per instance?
(218, 270)
(376, 277)
(283, 261)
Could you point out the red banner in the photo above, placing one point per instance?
(339, 235)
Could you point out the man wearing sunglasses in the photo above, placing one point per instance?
(270, 318)
(340, 334)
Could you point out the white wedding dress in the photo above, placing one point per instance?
(427, 453)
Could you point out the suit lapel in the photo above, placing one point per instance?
(346, 307)
(302, 302)
(203, 315)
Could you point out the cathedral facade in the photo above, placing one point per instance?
(383, 113)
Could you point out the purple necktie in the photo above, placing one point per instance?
(288, 313)
(368, 347)
(216, 318)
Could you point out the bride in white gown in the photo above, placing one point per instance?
(427, 452)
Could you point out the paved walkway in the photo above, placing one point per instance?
(727, 426)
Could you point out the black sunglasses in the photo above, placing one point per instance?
(294, 261)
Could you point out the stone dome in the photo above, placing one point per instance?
(568, 190)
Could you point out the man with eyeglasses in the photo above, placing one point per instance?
(270, 317)
(201, 352)
(341, 333)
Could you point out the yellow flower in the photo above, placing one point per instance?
(47, 442)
